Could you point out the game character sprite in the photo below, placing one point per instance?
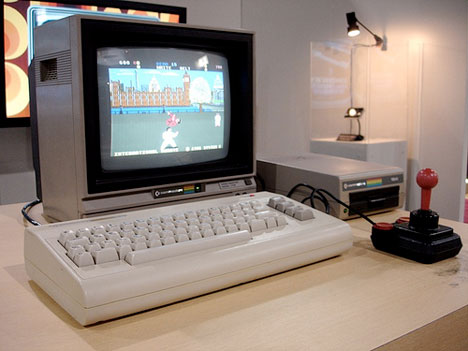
(172, 121)
(168, 139)
(217, 120)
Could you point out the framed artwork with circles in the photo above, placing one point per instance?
(19, 20)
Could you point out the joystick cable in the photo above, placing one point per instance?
(311, 197)
(320, 195)
(25, 210)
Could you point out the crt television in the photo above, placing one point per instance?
(133, 114)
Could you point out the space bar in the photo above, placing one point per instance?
(157, 253)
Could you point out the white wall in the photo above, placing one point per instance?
(415, 90)
(215, 13)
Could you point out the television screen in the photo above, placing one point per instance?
(162, 107)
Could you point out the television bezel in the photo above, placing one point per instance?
(236, 46)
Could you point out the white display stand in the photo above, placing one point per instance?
(390, 152)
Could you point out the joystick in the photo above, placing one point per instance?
(419, 238)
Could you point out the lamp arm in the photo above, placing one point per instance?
(379, 40)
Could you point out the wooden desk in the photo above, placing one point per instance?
(359, 301)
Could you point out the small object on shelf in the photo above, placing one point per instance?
(349, 137)
(354, 113)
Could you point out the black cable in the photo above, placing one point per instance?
(319, 196)
(351, 210)
(312, 204)
(26, 208)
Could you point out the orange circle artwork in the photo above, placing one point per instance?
(16, 82)
(15, 29)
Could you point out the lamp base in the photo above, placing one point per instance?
(350, 137)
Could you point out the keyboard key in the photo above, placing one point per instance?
(156, 228)
(97, 238)
(66, 236)
(123, 250)
(304, 214)
(154, 243)
(83, 259)
(74, 250)
(194, 235)
(112, 227)
(257, 224)
(139, 245)
(152, 236)
(281, 220)
(181, 223)
(152, 254)
(105, 255)
(283, 206)
(181, 238)
(92, 247)
(168, 240)
(127, 233)
(207, 233)
(98, 229)
(220, 230)
(265, 214)
(271, 222)
(231, 228)
(153, 220)
(123, 241)
(108, 243)
(126, 226)
(112, 236)
(274, 201)
(83, 232)
(141, 231)
(80, 241)
(166, 233)
(244, 226)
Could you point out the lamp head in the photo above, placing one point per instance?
(354, 112)
(353, 28)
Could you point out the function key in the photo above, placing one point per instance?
(66, 236)
(275, 201)
(283, 206)
(304, 214)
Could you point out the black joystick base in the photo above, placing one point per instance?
(421, 239)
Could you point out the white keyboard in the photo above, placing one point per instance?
(102, 268)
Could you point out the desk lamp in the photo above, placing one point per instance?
(353, 29)
(353, 113)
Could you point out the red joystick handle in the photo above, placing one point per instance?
(426, 179)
